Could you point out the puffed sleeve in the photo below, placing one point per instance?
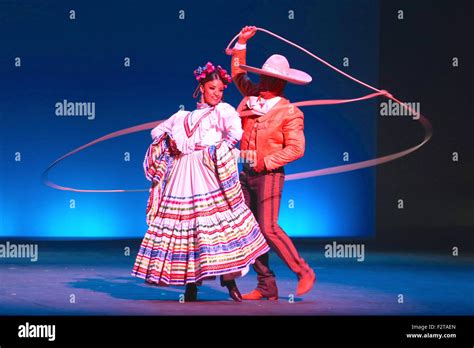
(164, 127)
(231, 123)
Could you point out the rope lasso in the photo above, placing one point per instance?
(325, 171)
(378, 92)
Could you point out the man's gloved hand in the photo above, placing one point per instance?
(246, 33)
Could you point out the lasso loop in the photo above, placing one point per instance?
(358, 165)
(325, 171)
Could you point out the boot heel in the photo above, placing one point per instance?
(234, 292)
(190, 295)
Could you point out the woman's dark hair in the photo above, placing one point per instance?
(210, 73)
(215, 75)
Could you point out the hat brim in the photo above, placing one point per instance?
(295, 76)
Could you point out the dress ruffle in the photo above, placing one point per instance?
(199, 224)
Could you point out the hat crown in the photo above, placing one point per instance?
(277, 63)
(277, 66)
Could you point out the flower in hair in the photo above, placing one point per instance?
(202, 72)
(224, 75)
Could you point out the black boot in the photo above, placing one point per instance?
(233, 289)
(190, 295)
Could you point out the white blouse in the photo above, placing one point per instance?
(202, 127)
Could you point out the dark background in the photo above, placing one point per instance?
(81, 60)
(412, 58)
(415, 64)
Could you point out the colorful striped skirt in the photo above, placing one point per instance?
(202, 226)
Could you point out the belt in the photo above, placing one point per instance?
(249, 170)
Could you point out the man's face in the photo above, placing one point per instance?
(272, 84)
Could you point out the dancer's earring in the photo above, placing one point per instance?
(202, 94)
(196, 91)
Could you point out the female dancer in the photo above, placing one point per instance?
(199, 225)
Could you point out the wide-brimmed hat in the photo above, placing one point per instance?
(278, 66)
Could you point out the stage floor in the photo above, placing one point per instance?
(93, 278)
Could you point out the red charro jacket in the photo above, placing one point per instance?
(277, 136)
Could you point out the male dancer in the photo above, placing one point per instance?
(273, 137)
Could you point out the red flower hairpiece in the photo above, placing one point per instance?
(202, 72)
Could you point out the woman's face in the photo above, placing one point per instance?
(213, 91)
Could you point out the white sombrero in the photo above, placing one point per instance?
(278, 66)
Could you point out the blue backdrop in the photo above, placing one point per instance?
(82, 60)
